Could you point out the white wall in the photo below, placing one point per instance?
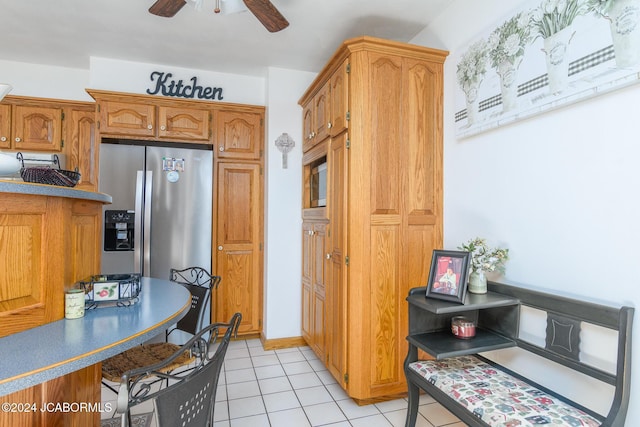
(560, 190)
(282, 205)
(134, 77)
(44, 81)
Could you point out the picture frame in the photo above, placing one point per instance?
(448, 276)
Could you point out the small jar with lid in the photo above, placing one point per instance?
(462, 327)
(73, 303)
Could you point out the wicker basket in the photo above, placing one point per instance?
(49, 175)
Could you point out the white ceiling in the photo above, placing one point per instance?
(67, 32)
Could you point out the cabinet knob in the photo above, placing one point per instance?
(328, 256)
(18, 139)
(3, 138)
(220, 247)
(221, 148)
(149, 127)
(329, 125)
(163, 127)
(311, 232)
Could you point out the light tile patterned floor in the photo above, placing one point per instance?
(292, 388)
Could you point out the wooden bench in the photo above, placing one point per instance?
(483, 393)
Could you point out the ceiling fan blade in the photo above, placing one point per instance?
(166, 8)
(267, 14)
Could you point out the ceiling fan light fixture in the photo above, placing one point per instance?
(233, 6)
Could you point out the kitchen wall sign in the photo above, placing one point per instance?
(549, 55)
(167, 86)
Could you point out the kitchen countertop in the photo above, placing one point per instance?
(19, 187)
(58, 348)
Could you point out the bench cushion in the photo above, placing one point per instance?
(496, 397)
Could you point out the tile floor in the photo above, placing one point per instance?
(292, 388)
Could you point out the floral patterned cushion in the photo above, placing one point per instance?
(496, 397)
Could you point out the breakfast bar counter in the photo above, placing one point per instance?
(61, 347)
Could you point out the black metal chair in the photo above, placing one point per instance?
(189, 399)
(200, 284)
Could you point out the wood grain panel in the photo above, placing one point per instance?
(385, 275)
(423, 102)
(85, 241)
(184, 123)
(237, 270)
(239, 135)
(23, 300)
(339, 99)
(83, 150)
(5, 126)
(386, 147)
(239, 244)
(37, 128)
(336, 295)
(127, 118)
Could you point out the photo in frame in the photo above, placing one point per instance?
(448, 276)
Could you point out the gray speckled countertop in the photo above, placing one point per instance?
(58, 348)
(18, 187)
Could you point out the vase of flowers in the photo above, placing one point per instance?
(483, 259)
(506, 48)
(624, 23)
(471, 70)
(553, 21)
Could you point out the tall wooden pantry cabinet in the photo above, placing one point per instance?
(381, 140)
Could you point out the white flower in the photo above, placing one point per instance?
(549, 6)
(524, 19)
(484, 258)
(512, 45)
(494, 40)
(561, 6)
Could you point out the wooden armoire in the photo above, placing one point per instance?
(374, 116)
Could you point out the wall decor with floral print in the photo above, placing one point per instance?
(553, 53)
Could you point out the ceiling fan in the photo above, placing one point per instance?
(264, 10)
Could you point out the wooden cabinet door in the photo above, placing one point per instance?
(184, 123)
(336, 272)
(127, 118)
(321, 109)
(307, 274)
(239, 135)
(319, 326)
(37, 128)
(307, 126)
(339, 99)
(82, 147)
(239, 244)
(5, 126)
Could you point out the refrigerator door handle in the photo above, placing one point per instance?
(137, 234)
(146, 268)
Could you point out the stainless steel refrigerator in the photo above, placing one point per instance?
(161, 213)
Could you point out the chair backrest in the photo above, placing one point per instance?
(190, 399)
(199, 282)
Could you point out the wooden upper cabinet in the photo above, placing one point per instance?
(239, 135)
(37, 128)
(339, 100)
(316, 119)
(82, 146)
(5, 126)
(127, 118)
(321, 111)
(307, 126)
(184, 123)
